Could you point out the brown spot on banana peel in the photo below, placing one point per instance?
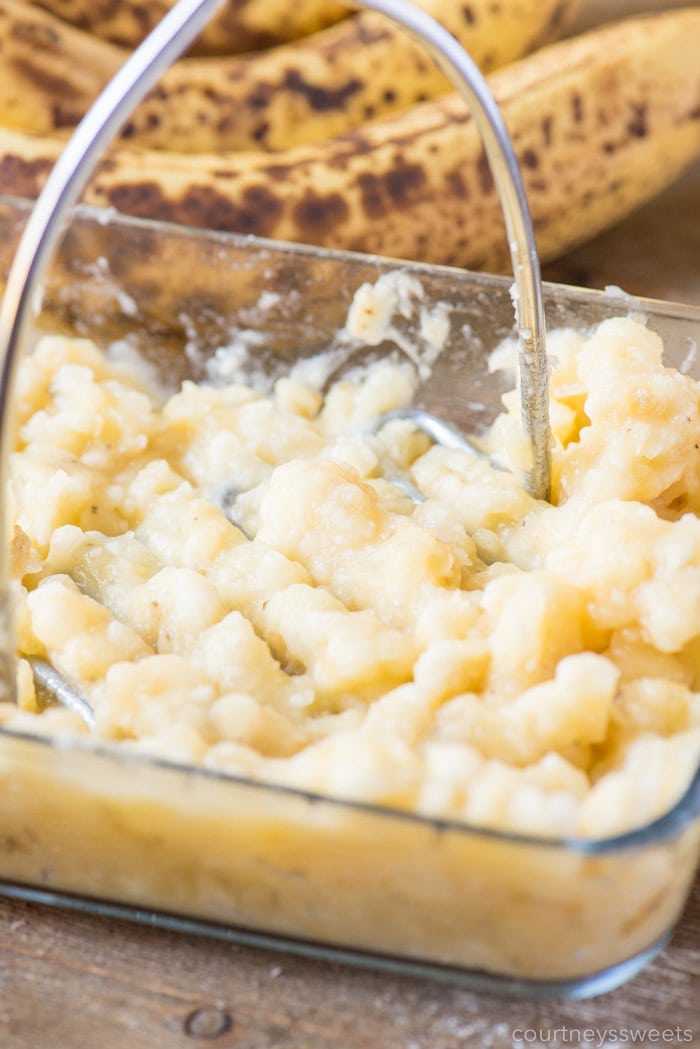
(547, 130)
(315, 210)
(58, 86)
(63, 117)
(637, 126)
(144, 200)
(320, 98)
(577, 108)
(365, 32)
(35, 34)
(261, 131)
(529, 159)
(260, 96)
(554, 26)
(201, 205)
(24, 177)
(394, 190)
(484, 175)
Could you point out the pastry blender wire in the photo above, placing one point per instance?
(102, 122)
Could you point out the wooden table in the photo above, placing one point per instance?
(655, 252)
(73, 982)
(70, 981)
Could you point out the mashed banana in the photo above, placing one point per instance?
(240, 581)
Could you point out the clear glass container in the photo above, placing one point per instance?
(113, 831)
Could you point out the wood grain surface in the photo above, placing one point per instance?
(70, 981)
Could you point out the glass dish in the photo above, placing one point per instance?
(181, 846)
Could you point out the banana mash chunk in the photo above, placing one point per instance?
(238, 580)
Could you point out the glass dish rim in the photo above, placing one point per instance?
(104, 217)
(684, 810)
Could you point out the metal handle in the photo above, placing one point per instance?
(102, 122)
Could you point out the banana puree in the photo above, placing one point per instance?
(239, 580)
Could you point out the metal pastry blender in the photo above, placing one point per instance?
(103, 121)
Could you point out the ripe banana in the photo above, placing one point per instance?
(600, 122)
(321, 86)
(288, 95)
(242, 25)
(49, 72)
